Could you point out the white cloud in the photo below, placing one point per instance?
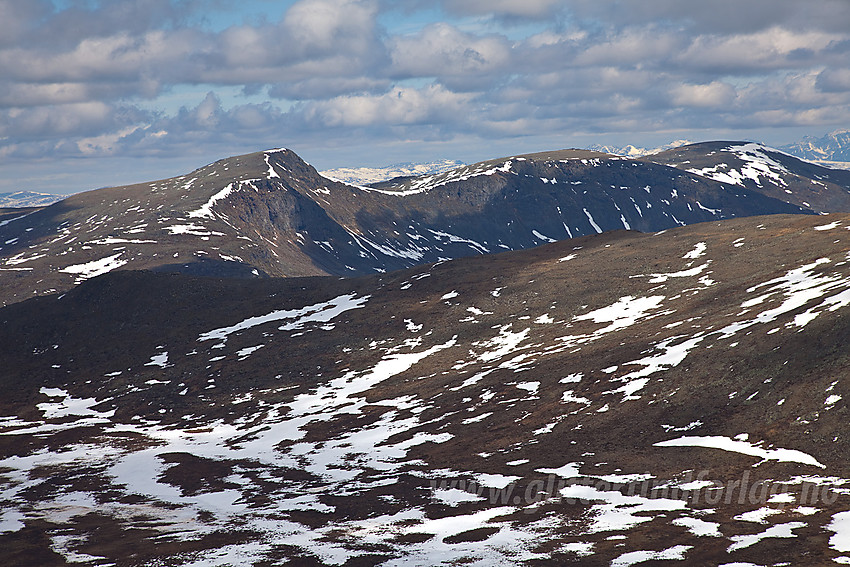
(85, 118)
(320, 24)
(766, 50)
(402, 106)
(713, 95)
(632, 46)
(441, 50)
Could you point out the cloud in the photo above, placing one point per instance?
(631, 47)
(503, 8)
(35, 23)
(77, 119)
(18, 18)
(324, 87)
(209, 119)
(767, 50)
(719, 16)
(151, 78)
(322, 26)
(834, 80)
(460, 60)
(713, 95)
(433, 105)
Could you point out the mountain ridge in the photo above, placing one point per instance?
(369, 175)
(271, 213)
(471, 391)
(632, 151)
(766, 170)
(27, 199)
(833, 147)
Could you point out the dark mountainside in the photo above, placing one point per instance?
(270, 213)
(609, 400)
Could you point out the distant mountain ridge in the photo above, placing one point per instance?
(24, 199)
(834, 147)
(369, 175)
(631, 151)
(630, 394)
(832, 150)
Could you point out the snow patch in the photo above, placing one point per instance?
(95, 267)
(743, 447)
(206, 209)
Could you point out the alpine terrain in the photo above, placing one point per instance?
(765, 170)
(557, 358)
(634, 151)
(608, 400)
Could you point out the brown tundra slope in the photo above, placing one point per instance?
(608, 400)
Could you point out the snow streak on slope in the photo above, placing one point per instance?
(296, 318)
(206, 210)
(743, 447)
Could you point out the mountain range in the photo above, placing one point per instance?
(631, 151)
(768, 171)
(831, 150)
(834, 147)
(566, 357)
(271, 214)
(369, 175)
(24, 199)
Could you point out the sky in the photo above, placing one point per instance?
(101, 93)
